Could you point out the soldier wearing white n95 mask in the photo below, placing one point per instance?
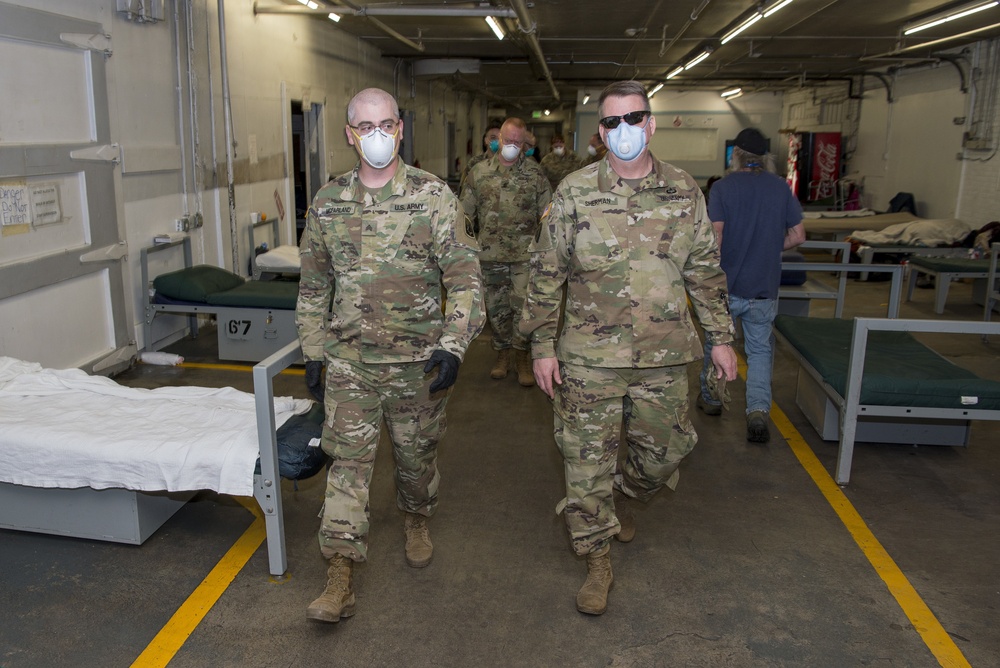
(386, 246)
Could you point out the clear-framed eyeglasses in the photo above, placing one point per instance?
(388, 126)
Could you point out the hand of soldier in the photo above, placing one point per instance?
(448, 371)
(724, 359)
(547, 376)
(314, 380)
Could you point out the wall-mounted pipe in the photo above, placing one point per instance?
(228, 119)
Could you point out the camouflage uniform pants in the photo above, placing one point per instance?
(589, 408)
(358, 396)
(506, 286)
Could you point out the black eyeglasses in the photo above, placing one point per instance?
(388, 126)
(632, 118)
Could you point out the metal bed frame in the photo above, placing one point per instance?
(947, 426)
(131, 516)
(244, 333)
(797, 297)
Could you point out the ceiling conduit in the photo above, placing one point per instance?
(527, 27)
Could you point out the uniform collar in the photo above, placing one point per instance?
(399, 185)
(609, 181)
(495, 164)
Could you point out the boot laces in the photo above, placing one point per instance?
(416, 528)
(599, 568)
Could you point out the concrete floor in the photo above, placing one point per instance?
(746, 564)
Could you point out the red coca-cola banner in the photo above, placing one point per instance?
(825, 165)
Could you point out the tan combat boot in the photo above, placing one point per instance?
(592, 599)
(626, 520)
(337, 600)
(499, 369)
(525, 374)
(419, 549)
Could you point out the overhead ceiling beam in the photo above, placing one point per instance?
(527, 27)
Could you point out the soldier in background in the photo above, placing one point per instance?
(388, 237)
(491, 144)
(504, 197)
(559, 161)
(531, 147)
(629, 240)
(596, 150)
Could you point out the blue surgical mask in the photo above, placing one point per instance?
(494, 145)
(627, 141)
(530, 152)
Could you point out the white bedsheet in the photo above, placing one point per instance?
(281, 259)
(64, 428)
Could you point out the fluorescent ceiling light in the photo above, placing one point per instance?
(655, 90)
(333, 17)
(700, 57)
(312, 5)
(732, 92)
(546, 112)
(677, 71)
(586, 98)
(757, 16)
(776, 6)
(495, 26)
(957, 13)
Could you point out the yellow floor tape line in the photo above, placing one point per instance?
(183, 623)
(923, 620)
(234, 367)
(175, 633)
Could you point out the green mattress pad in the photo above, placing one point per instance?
(259, 294)
(195, 284)
(899, 369)
(950, 264)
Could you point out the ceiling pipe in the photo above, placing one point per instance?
(475, 12)
(324, 10)
(527, 27)
(382, 10)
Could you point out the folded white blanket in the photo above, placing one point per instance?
(64, 428)
(283, 258)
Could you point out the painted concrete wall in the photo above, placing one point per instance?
(167, 113)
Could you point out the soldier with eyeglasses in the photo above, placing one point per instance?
(386, 246)
(629, 240)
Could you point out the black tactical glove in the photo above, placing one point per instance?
(448, 371)
(314, 380)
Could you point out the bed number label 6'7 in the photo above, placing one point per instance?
(238, 329)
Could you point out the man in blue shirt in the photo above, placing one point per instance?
(756, 217)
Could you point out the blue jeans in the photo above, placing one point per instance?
(757, 316)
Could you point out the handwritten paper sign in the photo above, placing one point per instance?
(15, 211)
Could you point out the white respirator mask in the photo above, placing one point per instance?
(559, 150)
(627, 141)
(510, 152)
(377, 148)
(592, 150)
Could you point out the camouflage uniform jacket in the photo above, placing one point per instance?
(629, 259)
(505, 204)
(558, 167)
(379, 264)
(473, 161)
